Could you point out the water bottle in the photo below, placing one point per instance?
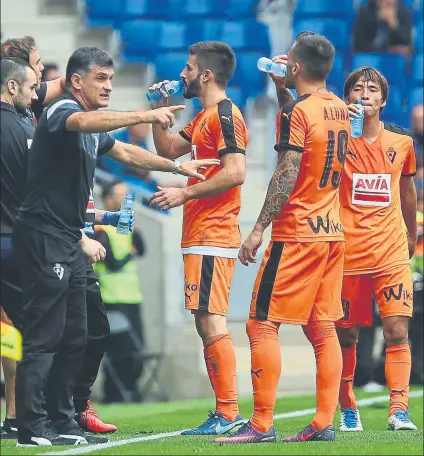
(127, 207)
(171, 88)
(357, 123)
(267, 65)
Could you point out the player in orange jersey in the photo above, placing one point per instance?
(299, 281)
(211, 237)
(376, 190)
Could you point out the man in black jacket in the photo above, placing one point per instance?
(383, 26)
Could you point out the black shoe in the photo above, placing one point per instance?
(47, 436)
(9, 429)
(73, 430)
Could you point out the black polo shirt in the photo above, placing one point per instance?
(15, 141)
(61, 172)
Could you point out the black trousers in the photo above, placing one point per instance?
(55, 327)
(123, 350)
(98, 332)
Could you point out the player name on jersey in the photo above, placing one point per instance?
(372, 189)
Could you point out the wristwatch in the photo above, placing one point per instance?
(176, 169)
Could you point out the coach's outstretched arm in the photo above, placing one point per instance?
(103, 121)
(408, 199)
(131, 155)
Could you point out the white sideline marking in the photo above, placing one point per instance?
(114, 443)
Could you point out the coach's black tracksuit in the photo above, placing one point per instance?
(46, 241)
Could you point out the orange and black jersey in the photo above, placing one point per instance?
(213, 221)
(316, 125)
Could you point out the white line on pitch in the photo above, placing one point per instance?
(165, 435)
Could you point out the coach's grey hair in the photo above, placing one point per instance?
(83, 58)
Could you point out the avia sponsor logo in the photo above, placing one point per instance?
(372, 189)
(398, 293)
(328, 225)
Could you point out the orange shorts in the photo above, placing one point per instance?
(207, 282)
(299, 282)
(392, 289)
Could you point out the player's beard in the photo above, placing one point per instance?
(192, 89)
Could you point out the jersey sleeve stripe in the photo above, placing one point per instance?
(285, 123)
(53, 107)
(409, 175)
(185, 136)
(225, 114)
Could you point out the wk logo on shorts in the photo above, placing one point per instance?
(58, 269)
(327, 226)
(398, 294)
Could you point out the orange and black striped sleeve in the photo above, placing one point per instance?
(291, 127)
(230, 129)
(187, 131)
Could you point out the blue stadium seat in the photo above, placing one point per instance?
(392, 66)
(336, 89)
(324, 8)
(206, 8)
(246, 35)
(139, 40)
(417, 70)
(418, 37)
(204, 30)
(169, 66)
(236, 95)
(394, 107)
(240, 8)
(146, 9)
(415, 97)
(172, 36)
(337, 31)
(337, 75)
(247, 76)
(99, 13)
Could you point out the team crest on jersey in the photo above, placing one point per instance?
(372, 189)
(391, 153)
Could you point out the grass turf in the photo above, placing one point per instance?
(148, 419)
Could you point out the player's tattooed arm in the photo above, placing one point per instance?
(284, 96)
(280, 187)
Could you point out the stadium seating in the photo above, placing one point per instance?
(392, 66)
(393, 111)
(409, 3)
(324, 8)
(204, 8)
(246, 76)
(139, 40)
(415, 97)
(417, 70)
(336, 30)
(169, 66)
(240, 8)
(147, 9)
(337, 75)
(247, 35)
(418, 37)
(99, 13)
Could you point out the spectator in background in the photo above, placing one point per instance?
(383, 26)
(50, 72)
(417, 119)
(120, 287)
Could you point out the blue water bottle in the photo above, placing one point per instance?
(357, 123)
(171, 88)
(127, 207)
(267, 65)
